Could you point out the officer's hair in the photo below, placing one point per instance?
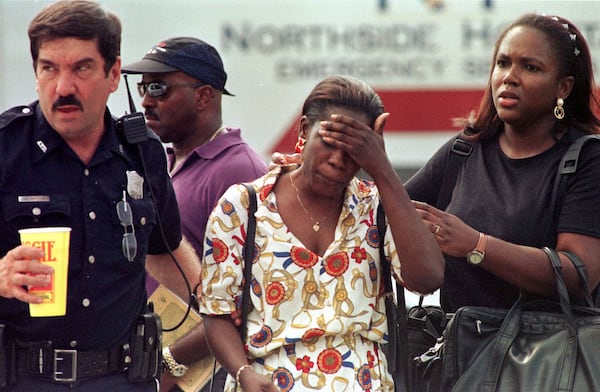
(79, 19)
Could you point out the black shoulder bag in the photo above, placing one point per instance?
(534, 346)
(425, 324)
(412, 333)
(248, 257)
(395, 349)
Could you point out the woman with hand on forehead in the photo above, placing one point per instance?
(317, 316)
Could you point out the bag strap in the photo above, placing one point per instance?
(568, 165)
(248, 256)
(563, 293)
(459, 152)
(461, 149)
(566, 379)
(580, 267)
(510, 329)
(395, 313)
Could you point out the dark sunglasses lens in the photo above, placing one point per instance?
(155, 90)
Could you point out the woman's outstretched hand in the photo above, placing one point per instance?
(454, 237)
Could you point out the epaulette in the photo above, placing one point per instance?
(14, 113)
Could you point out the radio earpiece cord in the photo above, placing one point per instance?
(135, 132)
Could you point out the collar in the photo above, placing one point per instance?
(211, 149)
(219, 142)
(46, 139)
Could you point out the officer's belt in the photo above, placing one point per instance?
(66, 365)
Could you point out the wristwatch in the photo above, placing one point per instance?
(176, 369)
(475, 257)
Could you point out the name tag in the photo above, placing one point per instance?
(33, 199)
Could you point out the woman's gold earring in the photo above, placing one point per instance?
(559, 110)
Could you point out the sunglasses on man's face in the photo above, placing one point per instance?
(159, 89)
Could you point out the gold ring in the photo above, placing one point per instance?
(437, 229)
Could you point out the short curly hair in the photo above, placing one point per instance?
(79, 19)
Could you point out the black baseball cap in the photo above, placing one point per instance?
(187, 54)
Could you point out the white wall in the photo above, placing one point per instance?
(410, 47)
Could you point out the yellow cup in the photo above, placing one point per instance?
(54, 241)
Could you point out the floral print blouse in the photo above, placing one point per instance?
(314, 319)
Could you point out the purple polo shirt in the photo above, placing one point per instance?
(206, 174)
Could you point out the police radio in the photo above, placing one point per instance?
(132, 125)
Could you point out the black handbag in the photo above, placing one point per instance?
(248, 259)
(424, 325)
(410, 333)
(395, 350)
(534, 346)
(249, 252)
(425, 328)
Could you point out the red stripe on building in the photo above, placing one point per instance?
(411, 110)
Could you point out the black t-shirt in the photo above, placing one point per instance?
(509, 199)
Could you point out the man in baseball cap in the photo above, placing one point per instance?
(187, 54)
(183, 80)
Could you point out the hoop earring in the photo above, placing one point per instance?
(299, 147)
(559, 111)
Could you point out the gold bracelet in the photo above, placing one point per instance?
(239, 372)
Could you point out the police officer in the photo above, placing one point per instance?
(65, 161)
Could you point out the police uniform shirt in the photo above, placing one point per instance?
(43, 183)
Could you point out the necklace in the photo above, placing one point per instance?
(179, 160)
(316, 223)
(217, 133)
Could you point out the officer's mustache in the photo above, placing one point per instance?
(68, 100)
